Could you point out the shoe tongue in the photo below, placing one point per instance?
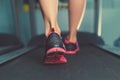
(52, 30)
(68, 41)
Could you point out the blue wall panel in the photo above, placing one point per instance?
(6, 17)
(110, 20)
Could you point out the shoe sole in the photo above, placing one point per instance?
(55, 49)
(55, 56)
(72, 52)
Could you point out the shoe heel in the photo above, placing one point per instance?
(55, 58)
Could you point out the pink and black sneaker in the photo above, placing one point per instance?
(71, 47)
(55, 49)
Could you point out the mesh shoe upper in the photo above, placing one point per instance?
(54, 41)
(55, 50)
(71, 47)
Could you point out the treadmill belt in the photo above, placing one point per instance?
(90, 63)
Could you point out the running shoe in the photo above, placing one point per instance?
(71, 47)
(55, 49)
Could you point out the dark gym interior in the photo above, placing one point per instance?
(22, 42)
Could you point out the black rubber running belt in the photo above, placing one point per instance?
(90, 63)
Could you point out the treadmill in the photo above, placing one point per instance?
(10, 42)
(11, 45)
(91, 63)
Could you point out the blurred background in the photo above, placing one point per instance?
(15, 19)
(22, 42)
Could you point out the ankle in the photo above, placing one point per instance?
(72, 38)
(47, 32)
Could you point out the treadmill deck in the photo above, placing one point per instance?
(90, 63)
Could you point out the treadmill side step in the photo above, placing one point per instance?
(13, 55)
(112, 49)
(6, 49)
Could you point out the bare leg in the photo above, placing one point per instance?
(54, 52)
(50, 10)
(76, 13)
